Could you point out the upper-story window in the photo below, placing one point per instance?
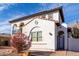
(14, 29)
(56, 16)
(21, 27)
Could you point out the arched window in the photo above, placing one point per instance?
(21, 27)
(36, 34)
(14, 29)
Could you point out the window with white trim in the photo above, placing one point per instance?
(14, 29)
(36, 36)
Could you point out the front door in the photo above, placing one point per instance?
(60, 41)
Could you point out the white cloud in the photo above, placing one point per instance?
(4, 6)
(1, 8)
(5, 26)
(14, 16)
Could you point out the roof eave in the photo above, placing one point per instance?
(40, 13)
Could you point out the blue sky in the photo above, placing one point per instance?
(9, 11)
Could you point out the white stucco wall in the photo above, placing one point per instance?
(48, 41)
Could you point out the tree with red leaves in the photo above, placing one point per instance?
(20, 41)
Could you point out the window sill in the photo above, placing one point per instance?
(39, 43)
